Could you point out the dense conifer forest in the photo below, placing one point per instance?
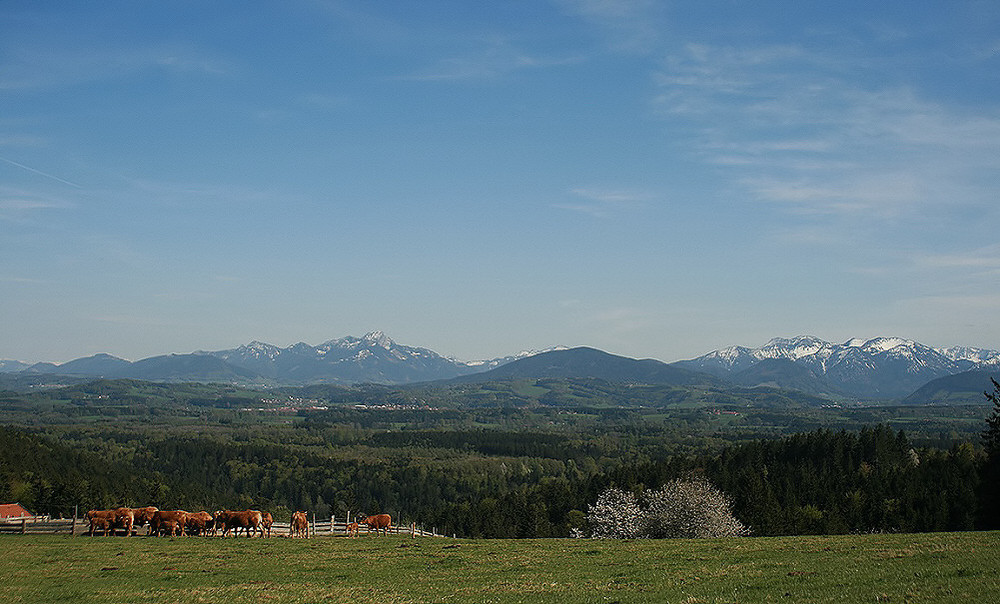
(491, 470)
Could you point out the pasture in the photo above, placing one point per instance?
(936, 567)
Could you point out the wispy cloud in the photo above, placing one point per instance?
(32, 68)
(978, 308)
(493, 58)
(323, 101)
(21, 140)
(795, 128)
(181, 194)
(24, 280)
(987, 257)
(602, 203)
(19, 204)
(184, 60)
(627, 25)
(620, 320)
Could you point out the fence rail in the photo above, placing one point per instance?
(335, 527)
(41, 526)
(38, 525)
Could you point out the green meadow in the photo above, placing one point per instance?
(912, 568)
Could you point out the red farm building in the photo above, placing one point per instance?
(13, 510)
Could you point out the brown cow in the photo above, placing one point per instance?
(352, 529)
(379, 522)
(102, 519)
(173, 520)
(266, 520)
(169, 528)
(123, 518)
(249, 520)
(199, 523)
(299, 525)
(143, 516)
(100, 513)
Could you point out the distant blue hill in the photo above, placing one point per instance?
(590, 363)
(965, 388)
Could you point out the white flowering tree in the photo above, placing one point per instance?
(614, 516)
(683, 508)
(689, 508)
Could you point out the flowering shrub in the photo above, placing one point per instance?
(683, 508)
(614, 516)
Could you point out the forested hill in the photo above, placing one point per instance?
(512, 458)
(492, 484)
(962, 388)
(590, 363)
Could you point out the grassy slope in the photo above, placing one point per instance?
(941, 567)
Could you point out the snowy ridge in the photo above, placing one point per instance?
(374, 357)
(487, 364)
(868, 368)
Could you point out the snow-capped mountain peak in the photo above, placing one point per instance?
(876, 345)
(378, 338)
(791, 348)
(487, 364)
(971, 355)
(260, 349)
(881, 366)
(374, 357)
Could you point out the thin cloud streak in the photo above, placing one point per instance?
(40, 69)
(986, 257)
(602, 203)
(40, 173)
(496, 60)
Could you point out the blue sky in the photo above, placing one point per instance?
(656, 179)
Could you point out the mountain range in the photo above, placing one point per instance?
(878, 368)
(374, 358)
(874, 369)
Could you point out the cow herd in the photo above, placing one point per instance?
(179, 522)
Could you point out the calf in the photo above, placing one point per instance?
(167, 520)
(169, 528)
(199, 523)
(352, 529)
(266, 520)
(99, 521)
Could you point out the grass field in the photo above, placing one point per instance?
(940, 567)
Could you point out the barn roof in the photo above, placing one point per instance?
(13, 510)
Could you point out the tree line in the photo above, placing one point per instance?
(485, 483)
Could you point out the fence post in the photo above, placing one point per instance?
(72, 530)
(332, 516)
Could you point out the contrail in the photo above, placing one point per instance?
(30, 169)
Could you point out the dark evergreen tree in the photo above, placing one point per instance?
(989, 493)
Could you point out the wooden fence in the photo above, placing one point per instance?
(339, 527)
(40, 525)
